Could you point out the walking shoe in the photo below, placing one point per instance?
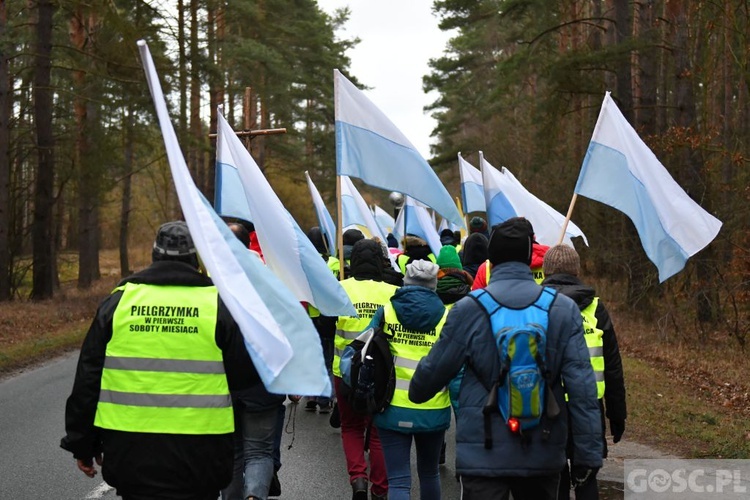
(335, 419)
(325, 407)
(359, 489)
(311, 405)
(275, 489)
(373, 496)
(441, 461)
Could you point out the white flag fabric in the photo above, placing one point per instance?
(278, 334)
(355, 211)
(621, 171)
(370, 147)
(384, 219)
(229, 197)
(325, 221)
(472, 187)
(419, 223)
(506, 197)
(287, 250)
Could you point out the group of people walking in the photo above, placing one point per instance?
(447, 365)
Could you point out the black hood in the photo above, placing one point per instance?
(572, 287)
(367, 261)
(475, 249)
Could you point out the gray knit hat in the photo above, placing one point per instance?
(422, 273)
(561, 259)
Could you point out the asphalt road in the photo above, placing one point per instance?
(33, 466)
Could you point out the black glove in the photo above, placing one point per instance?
(618, 428)
(580, 475)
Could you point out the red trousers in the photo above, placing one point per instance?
(353, 429)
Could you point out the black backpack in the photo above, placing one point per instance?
(368, 372)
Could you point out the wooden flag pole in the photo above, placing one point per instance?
(339, 231)
(567, 217)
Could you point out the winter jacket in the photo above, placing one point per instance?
(169, 466)
(614, 382)
(474, 252)
(420, 309)
(467, 339)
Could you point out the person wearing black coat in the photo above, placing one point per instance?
(561, 268)
(153, 464)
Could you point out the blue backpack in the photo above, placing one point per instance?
(520, 335)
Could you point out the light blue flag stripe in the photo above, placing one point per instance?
(325, 221)
(605, 177)
(230, 197)
(472, 195)
(385, 164)
(350, 213)
(303, 374)
(499, 209)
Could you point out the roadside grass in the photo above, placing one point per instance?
(31, 332)
(673, 415)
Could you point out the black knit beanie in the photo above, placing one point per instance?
(511, 241)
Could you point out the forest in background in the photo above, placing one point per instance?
(521, 80)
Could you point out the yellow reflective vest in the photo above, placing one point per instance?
(163, 372)
(408, 347)
(595, 344)
(367, 296)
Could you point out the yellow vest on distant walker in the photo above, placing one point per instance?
(408, 347)
(163, 372)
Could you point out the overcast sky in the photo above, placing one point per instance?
(398, 37)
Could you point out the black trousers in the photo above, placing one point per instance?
(522, 488)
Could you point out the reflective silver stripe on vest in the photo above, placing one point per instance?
(403, 385)
(347, 335)
(339, 352)
(596, 352)
(163, 365)
(405, 362)
(599, 376)
(165, 400)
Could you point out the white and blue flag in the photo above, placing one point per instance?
(229, 196)
(472, 187)
(356, 213)
(370, 147)
(278, 334)
(384, 219)
(621, 171)
(286, 248)
(506, 197)
(325, 221)
(418, 222)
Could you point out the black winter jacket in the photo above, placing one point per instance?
(168, 466)
(614, 382)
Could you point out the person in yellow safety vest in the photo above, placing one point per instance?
(415, 248)
(151, 390)
(368, 293)
(413, 320)
(561, 267)
(537, 257)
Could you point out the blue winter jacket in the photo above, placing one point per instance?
(417, 308)
(467, 339)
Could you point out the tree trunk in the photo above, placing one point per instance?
(194, 155)
(127, 183)
(5, 109)
(692, 167)
(45, 269)
(82, 25)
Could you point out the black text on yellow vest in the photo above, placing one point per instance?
(163, 371)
